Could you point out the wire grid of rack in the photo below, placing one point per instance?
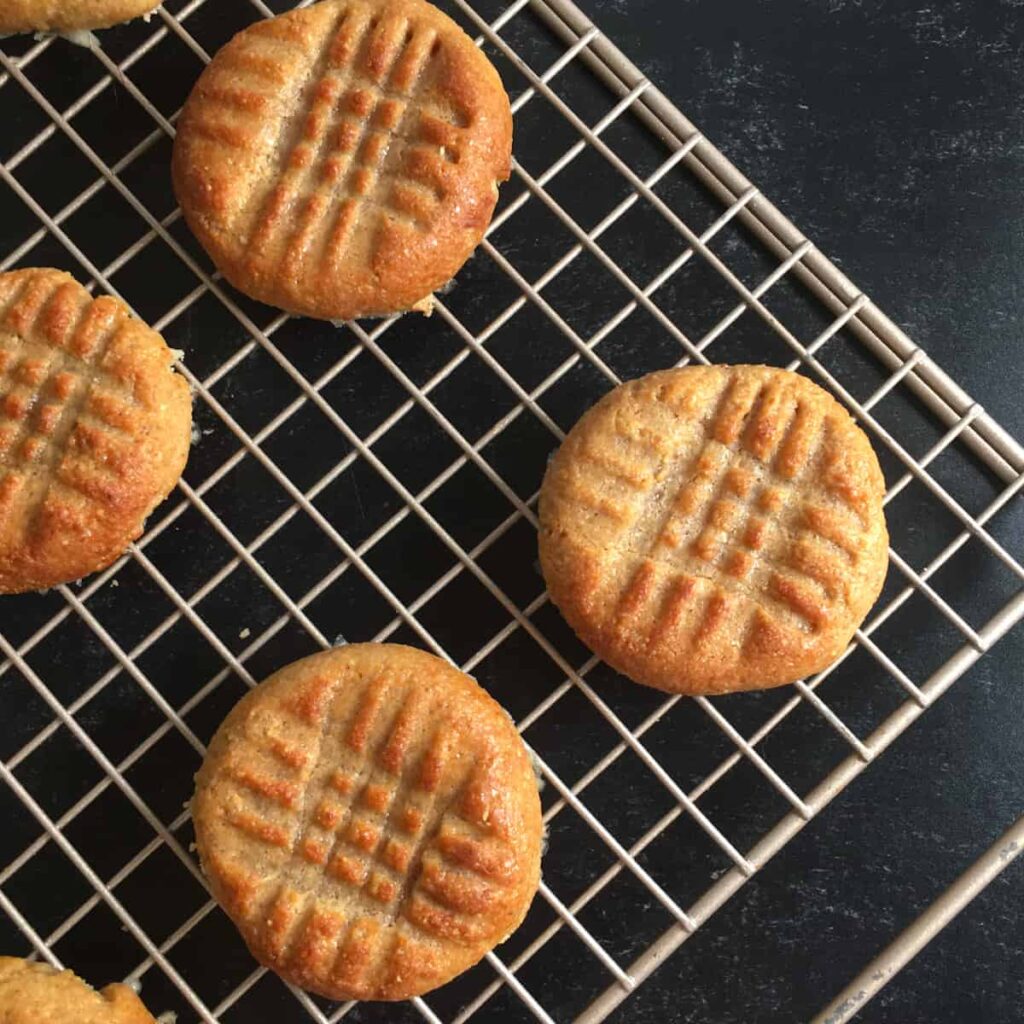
(379, 480)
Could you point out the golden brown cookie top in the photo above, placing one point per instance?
(68, 15)
(32, 993)
(94, 428)
(715, 528)
(369, 819)
(342, 160)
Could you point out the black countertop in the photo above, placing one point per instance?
(893, 135)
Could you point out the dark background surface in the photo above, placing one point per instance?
(892, 134)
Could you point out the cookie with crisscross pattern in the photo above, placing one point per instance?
(95, 427)
(33, 993)
(342, 160)
(369, 819)
(715, 528)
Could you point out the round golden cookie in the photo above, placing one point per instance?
(95, 428)
(715, 528)
(32, 993)
(69, 15)
(369, 818)
(342, 160)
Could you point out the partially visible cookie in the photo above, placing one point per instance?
(69, 15)
(32, 993)
(342, 160)
(715, 528)
(95, 427)
(369, 818)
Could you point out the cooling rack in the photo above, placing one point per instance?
(378, 480)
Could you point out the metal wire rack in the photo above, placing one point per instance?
(379, 480)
